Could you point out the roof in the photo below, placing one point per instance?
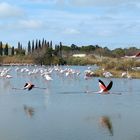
(138, 54)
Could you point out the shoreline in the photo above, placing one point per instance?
(118, 74)
(134, 73)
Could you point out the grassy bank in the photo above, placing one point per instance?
(118, 73)
(117, 66)
(114, 65)
(16, 60)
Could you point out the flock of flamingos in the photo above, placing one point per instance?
(46, 73)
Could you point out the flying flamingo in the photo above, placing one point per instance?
(28, 86)
(103, 88)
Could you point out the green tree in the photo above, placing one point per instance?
(119, 52)
(51, 44)
(43, 42)
(36, 45)
(29, 47)
(19, 46)
(13, 51)
(1, 49)
(60, 49)
(48, 56)
(33, 47)
(6, 49)
(39, 44)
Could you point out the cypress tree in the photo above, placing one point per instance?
(39, 44)
(6, 49)
(48, 44)
(13, 51)
(1, 49)
(36, 45)
(33, 47)
(29, 47)
(19, 47)
(43, 42)
(51, 44)
(60, 49)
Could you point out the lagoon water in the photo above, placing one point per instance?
(63, 111)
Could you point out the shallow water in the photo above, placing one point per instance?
(63, 111)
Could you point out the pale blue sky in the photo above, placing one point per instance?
(111, 23)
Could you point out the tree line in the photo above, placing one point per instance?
(6, 49)
(43, 51)
(66, 51)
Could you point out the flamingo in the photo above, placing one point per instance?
(124, 74)
(104, 88)
(8, 76)
(107, 74)
(47, 77)
(28, 86)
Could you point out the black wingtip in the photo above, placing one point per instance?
(110, 85)
(25, 84)
(100, 81)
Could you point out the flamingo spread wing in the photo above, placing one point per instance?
(110, 85)
(103, 87)
(25, 84)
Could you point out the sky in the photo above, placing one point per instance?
(108, 23)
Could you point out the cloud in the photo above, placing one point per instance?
(59, 3)
(85, 3)
(40, 1)
(71, 31)
(7, 10)
(43, 0)
(48, 1)
(84, 21)
(21, 25)
(30, 24)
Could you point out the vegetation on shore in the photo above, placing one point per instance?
(44, 53)
(16, 60)
(116, 66)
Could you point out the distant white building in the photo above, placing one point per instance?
(79, 55)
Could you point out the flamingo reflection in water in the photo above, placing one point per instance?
(106, 123)
(29, 111)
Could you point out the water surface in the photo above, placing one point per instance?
(63, 111)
